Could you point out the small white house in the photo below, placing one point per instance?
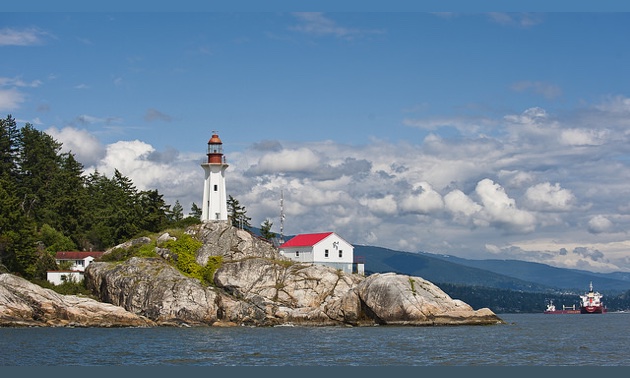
(79, 261)
(325, 248)
(57, 277)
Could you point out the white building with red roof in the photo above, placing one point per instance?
(326, 248)
(78, 260)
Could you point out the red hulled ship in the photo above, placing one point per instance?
(591, 302)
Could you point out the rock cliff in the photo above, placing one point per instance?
(23, 303)
(253, 286)
(256, 286)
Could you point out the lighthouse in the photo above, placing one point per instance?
(214, 195)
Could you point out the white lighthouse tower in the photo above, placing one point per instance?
(214, 194)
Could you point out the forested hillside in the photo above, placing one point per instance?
(49, 204)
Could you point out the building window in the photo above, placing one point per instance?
(340, 253)
(297, 253)
(216, 187)
(326, 253)
(78, 262)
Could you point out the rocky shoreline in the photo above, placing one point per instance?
(254, 286)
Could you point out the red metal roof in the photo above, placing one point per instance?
(306, 240)
(76, 255)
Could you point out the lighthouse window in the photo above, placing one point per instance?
(216, 187)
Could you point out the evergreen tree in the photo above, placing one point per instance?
(17, 241)
(265, 230)
(177, 213)
(39, 162)
(237, 213)
(195, 211)
(8, 146)
(154, 211)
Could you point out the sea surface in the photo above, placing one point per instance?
(525, 340)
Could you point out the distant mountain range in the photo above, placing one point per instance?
(501, 274)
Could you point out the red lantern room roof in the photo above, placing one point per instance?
(215, 139)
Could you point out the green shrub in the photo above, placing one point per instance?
(185, 247)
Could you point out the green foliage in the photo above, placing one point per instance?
(124, 254)
(237, 213)
(412, 283)
(207, 273)
(265, 230)
(195, 211)
(66, 288)
(185, 248)
(177, 213)
(55, 241)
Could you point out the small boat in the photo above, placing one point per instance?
(591, 302)
(551, 309)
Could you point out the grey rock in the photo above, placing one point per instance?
(23, 303)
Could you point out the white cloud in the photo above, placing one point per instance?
(461, 206)
(316, 23)
(547, 197)
(10, 99)
(423, 200)
(24, 37)
(583, 137)
(501, 210)
(297, 160)
(599, 224)
(84, 145)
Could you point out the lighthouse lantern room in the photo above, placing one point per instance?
(214, 194)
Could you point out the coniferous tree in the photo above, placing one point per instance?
(39, 162)
(265, 230)
(195, 211)
(237, 213)
(8, 146)
(177, 213)
(154, 211)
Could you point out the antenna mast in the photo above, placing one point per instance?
(281, 216)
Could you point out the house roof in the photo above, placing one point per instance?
(76, 255)
(306, 240)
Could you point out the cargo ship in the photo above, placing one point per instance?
(551, 309)
(591, 302)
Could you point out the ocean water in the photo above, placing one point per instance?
(526, 340)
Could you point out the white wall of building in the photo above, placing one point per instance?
(58, 277)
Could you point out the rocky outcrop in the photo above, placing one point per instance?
(256, 286)
(23, 303)
(232, 243)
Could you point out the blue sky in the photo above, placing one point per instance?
(482, 135)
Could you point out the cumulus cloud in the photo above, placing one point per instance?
(84, 145)
(10, 99)
(547, 197)
(461, 206)
(422, 200)
(599, 224)
(501, 210)
(289, 160)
